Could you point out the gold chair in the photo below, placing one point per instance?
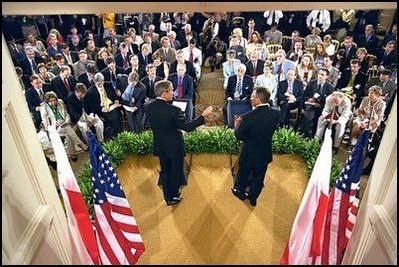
(285, 40)
(273, 48)
(372, 73)
(371, 59)
(336, 44)
(272, 57)
(310, 49)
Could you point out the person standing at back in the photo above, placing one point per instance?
(255, 129)
(167, 122)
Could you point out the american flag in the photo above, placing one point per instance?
(118, 237)
(343, 205)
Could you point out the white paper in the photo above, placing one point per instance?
(181, 105)
(131, 109)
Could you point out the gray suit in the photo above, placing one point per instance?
(344, 113)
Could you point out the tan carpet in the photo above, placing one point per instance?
(210, 225)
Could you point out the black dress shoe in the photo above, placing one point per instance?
(237, 193)
(335, 150)
(178, 198)
(252, 202)
(174, 201)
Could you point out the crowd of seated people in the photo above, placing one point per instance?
(107, 64)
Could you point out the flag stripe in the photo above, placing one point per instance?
(343, 205)
(302, 247)
(80, 226)
(118, 233)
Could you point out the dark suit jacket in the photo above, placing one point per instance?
(83, 78)
(256, 130)
(346, 60)
(92, 99)
(150, 93)
(60, 88)
(74, 107)
(297, 90)
(107, 74)
(247, 86)
(166, 122)
(371, 45)
(188, 85)
(141, 58)
(313, 88)
(190, 70)
(250, 68)
(119, 61)
(388, 61)
(26, 67)
(33, 100)
(360, 79)
(140, 71)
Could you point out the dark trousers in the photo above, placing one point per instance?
(256, 184)
(285, 109)
(171, 175)
(113, 124)
(309, 121)
(134, 121)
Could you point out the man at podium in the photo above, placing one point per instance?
(167, 122)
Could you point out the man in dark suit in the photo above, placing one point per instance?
(350, 53)
(369, 40)
(101, 100)
(353, 81)
(34, 98)
(289, 96)
(87, 77)
(167, 121)
(79, 116)
(30, 61)
(183, 85)
(134, 96)
(254, 65)
(315, 97)
(255, 129)
(150, 80)
(64, 83)
(388, 58)
(239, 87)
(110, 73)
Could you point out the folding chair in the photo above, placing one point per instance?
(371, 59)
(273, 48)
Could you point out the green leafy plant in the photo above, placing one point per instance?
(218, 140)
(287, 141)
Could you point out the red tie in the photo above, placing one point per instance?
(254, 69)
(180, 93)
(67, 85)
(191, 59)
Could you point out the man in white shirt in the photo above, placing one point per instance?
(194, 55)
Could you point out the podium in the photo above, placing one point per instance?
(186, 105)
(236, 108)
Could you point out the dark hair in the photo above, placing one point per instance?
(386, 72)
(109, 60)
(325, 70)
(58, 56)
(80, 87)
(91, 68)
(263, 94)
